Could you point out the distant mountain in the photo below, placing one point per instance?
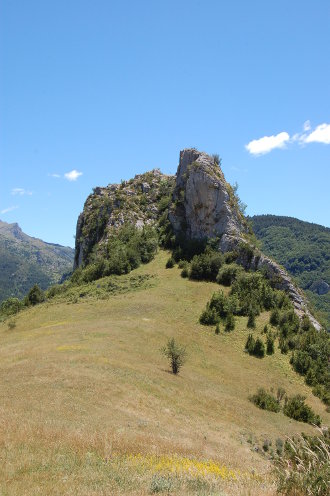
(25, 261)
(304, 250)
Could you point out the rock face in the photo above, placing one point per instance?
(203, 202)
(203, 206)
(134, 202)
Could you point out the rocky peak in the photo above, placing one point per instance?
(108, 208)
(204, 204)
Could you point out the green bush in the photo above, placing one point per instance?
(230, 322)
(176, 355)
(209, 316)
(297, 409)
(270, 344)
(170, 263)
(250, 344)
(265, 401)
(206, 265)
(217, 328)
(34, 296)
(251, 323)
(259, 348)
(11, 306)
(228, 274)
(255, 347)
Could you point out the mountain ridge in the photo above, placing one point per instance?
(26, 260)
(200, 205)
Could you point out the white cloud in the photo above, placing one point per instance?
(267, 143)
(72, 175)
(54, 175)
(321, 134)
(9, 209)
(20, 192)
(307, 125)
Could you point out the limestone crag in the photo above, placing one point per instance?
(203, 202)
(108, 208)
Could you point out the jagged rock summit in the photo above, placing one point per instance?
(201, 205)
(203, 202)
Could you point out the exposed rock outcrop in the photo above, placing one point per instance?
(203, 202)
(204, 206)
(107, 209)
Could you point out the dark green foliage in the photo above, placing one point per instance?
(209, 316)
(230, 322)
(254, 293)
(283, 345)
(217, 328)
(206, 265)
(259, 348)
(251, 323)
(228, 274)
(250, 344)
(303, 249)
(265, 401)
(297, 409)
(125, 250)
(270, 344)
(34, 296)
(185, 270)
(176, 355)
(11, 306)
(274, 317)
(170, 263)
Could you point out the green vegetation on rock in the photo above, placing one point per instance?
(304, 250)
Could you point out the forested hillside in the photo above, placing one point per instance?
(304, 250)
(25, 261)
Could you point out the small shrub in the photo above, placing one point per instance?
(170, 263)
(297, 409)
(280, 394)
(217, 328)
(250, 343)
(270, 344)
(251, 323)
(279, 446)
(274, 319)
(209, 316)
(11, 324)
(176, 355)
(35, 296)
(265, 401)
(230, 322)
(228, 274)
(259, 348)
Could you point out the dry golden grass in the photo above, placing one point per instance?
(87, 400)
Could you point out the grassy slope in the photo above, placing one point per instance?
(84, 385)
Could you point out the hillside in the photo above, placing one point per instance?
(89, 406)
(25, 261)
(304, 250)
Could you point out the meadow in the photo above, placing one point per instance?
(89, 405)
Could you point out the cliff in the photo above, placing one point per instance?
(201, 205)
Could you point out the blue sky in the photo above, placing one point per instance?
(93, 92)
